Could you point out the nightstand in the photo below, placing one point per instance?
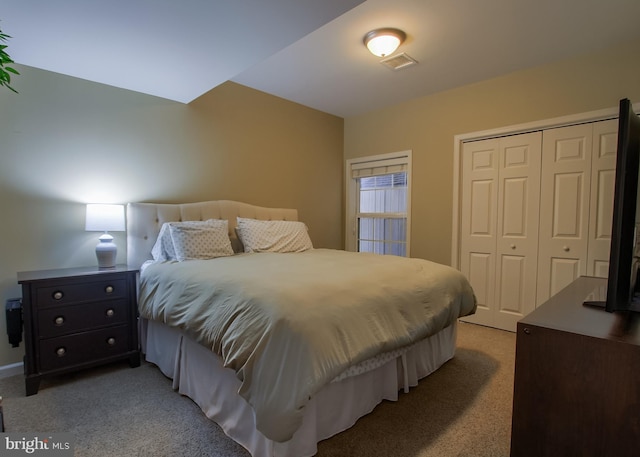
(76, 318)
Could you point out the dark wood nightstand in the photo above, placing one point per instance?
(76, 318)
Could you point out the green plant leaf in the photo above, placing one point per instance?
(5, 76)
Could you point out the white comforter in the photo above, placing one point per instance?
(289, 323)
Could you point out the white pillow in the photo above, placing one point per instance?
(163, 250)
(273, 236)
(201, 241)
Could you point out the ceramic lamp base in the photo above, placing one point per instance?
(106, 251)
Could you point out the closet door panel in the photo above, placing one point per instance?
(603, 175)
(517, 237)
(564, 208)
(478, 224)
(513, 281)
(563, 271)
(480, 268)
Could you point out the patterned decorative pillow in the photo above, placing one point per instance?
(201, 241)
(163, 250)
(273, 236)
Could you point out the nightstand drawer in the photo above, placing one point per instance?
(75, 349)
(66, 293)
(73, 318)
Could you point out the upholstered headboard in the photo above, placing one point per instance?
(145, 219)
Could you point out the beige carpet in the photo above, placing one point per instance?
(464, 409)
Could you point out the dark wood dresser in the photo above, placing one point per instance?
(577, 379)
(76, 318)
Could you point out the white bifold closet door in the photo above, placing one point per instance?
(499, 227)
(536, 213)
(576, 204)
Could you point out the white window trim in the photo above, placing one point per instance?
(351, 193)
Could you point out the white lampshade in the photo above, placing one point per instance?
(104, 218)
(383, 42)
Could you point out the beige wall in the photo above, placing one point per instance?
(427, 126)
(65, 142)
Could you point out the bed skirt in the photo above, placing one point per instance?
(198, 373)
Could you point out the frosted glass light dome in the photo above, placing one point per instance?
(383, 42)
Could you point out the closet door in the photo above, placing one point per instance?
(603, 174)
(500, 204)
(480, 163)
(536, 214)
(564, 208)
(578, 175)
(517, 237)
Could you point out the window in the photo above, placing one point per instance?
(378, 204)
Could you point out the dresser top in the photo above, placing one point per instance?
(25, 276)
(566, 312)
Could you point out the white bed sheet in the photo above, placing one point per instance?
(199, 374)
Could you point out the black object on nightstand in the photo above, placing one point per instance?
(13, 312)
(76, 318)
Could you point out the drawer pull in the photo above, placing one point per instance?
(111, 341)
(108, 289)
(57, 295)
(110, 312)
(61, 352)
(59, 320)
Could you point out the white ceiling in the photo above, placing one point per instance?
(307, 51)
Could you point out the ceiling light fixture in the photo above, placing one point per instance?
(382, 42)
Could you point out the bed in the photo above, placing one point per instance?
(284, 345)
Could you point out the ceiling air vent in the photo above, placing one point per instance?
(399, 61)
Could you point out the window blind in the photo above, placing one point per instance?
(379, 167)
